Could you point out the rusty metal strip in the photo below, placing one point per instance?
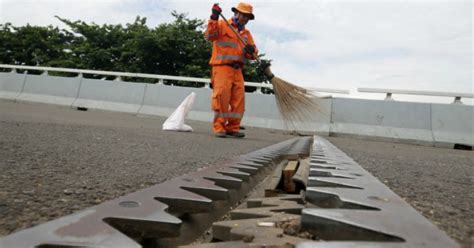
(258, 224)
(172, 213)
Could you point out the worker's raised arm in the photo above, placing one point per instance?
(212, 31)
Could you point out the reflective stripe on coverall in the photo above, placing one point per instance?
(228, 101)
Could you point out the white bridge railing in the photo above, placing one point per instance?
(442, 125)
(457, 96)
(259, 86)
(161, 78)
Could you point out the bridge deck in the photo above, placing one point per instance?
(57, 160)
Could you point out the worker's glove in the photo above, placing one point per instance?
(216, 11)
(264, 68)
(264, 64)
(249, 49)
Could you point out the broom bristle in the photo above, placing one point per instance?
(295, 103)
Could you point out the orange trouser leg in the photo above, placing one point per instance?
(237, 103)
(227, 98)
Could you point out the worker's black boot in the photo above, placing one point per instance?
(236, 134)
(221, 135)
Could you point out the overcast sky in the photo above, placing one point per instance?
(410, 45)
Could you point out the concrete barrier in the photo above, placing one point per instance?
(452, 124)
(110, 95)
(261, 109)
(50, 90)
(11, 85)
(321, 121)
(162, 100)
(418, 123)
(382, 120)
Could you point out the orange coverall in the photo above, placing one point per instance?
(228, 95)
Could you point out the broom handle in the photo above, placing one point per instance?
(238, 35)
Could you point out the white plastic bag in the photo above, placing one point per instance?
(176, 120)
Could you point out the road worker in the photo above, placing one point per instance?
(228, 55)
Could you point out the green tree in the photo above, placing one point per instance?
(33, 45)
(175, 48)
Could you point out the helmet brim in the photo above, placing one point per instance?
(234, 9)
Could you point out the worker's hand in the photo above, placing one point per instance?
(264, 68)
(216, 11)
(264, 64)
(249, 49)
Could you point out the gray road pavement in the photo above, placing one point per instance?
(437, 182)
(55, 160)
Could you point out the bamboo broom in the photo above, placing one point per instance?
(295, 104)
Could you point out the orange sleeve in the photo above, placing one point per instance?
(251, 42)
(212, 31)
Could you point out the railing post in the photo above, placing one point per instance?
(388, 97)
(160, 81)
(119, 78)
(457, 100)
(79, 75)
(45, 73)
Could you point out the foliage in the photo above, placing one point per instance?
(177, 48)
(32, 45)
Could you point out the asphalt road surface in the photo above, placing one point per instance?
(56, 160)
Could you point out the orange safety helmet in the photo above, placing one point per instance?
(244, 8)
